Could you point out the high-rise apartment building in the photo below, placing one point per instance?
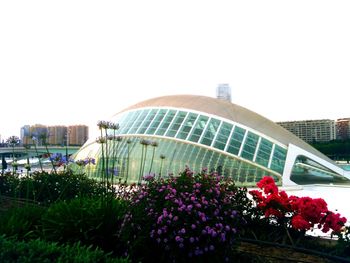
(57, 135)
(38, 131)
(78, 134)
(312, 130)
(343, 129)
(25, 135)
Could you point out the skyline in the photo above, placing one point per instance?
(78, 62)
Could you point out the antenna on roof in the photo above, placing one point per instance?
(223, 92)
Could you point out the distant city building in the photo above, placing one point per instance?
(54, 135)
(25, 135)
(57, 135)
(78, 134)
(312, 130)
(223, 92)
(343, 128)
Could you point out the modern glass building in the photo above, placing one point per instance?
(163, 135)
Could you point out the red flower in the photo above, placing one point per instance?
(299, 223)
(268, 185)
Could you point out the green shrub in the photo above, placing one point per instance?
(8, 184)
(42, 252)
(22, 222)
(92, 221)
(46, 188)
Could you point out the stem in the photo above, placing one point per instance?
(289, 237)
(150, 168)
(103, 159)
(37, 154)
(106, 154)
(127, 163)
(139, 180)
(51, 161)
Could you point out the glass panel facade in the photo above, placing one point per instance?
(223, 135)
(210, 132)
(145, 124)
(156, 121)
(264, 152)
(187, 126)
(129, 120)
(278, 159)
(166, 122)
(250, 146)
(193, 127)
(198, 129)
(174, 127)
(236, 140)
(138, 122)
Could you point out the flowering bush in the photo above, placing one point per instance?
(299, 213)
(186, 218)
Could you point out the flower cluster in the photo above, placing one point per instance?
(192, 216)
(86, 161)
(58, 159)
(300, 213)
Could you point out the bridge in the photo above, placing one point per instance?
(22, 152)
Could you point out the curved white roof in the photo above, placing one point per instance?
(230, 111)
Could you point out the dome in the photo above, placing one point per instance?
(162, 135)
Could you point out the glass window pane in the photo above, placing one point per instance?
(129, 120)
(223, 135)
(198, 129)
(180, 116)
(264, 152)
(147, 121)
(210, 132)
(156, 121)
(166, 122)
(250, 146)
(187, 126)
(138, 122)
(278, 159)
(236, 140)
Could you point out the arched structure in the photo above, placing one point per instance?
(163, 135)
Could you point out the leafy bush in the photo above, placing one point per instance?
(92, 221)
(41, 252)
(187, 218)
(22, 222)
(8, 184)
(46, 188)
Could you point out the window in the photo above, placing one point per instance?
(250, 146)
(223, 136)
(198, 129)
(210, 132)
(236, 140)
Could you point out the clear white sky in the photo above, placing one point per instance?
(77, 62)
